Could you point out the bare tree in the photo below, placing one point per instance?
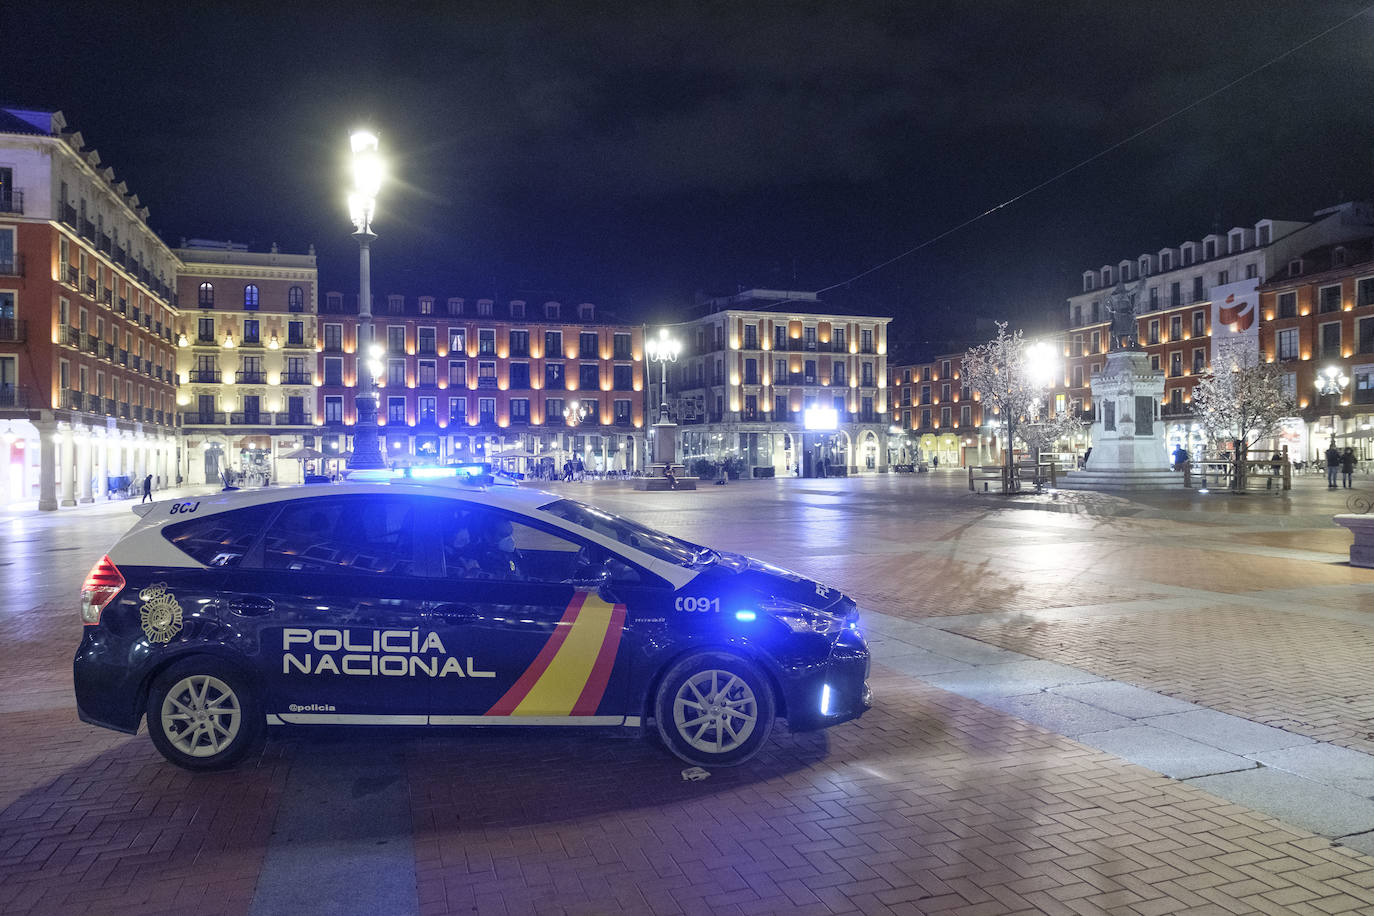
(1043, 429)
(1002, 374)
(1243, 399)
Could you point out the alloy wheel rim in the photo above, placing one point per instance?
(201, 715)
(715, 711)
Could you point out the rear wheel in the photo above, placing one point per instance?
(714, 709)
(203, 714)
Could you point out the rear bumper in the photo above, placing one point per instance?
(107, 695)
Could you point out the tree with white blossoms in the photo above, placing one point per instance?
(1011, 387)
(1243, 399)
(1044, 429)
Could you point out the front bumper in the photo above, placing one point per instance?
(833, 692)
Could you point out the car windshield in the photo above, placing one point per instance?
(632, 534)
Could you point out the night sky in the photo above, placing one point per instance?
(635, 154)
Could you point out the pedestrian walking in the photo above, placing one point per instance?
(147, 489)
(1333, 464)
(1347, 467)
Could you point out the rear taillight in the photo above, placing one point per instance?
(102, 584)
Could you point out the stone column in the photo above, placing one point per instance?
(84, 466)
(6, 450)
(68, 467)
(47, 466)
(98, 461)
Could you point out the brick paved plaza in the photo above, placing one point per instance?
(1085, 704)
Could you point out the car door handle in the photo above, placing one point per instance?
(454, 613)
(251, 607)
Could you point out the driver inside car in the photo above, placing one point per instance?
(496, 555)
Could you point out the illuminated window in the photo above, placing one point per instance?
(250, 298)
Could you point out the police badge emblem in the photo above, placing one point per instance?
(160, 614)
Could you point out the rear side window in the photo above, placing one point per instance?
(346, 534)
(221, 539)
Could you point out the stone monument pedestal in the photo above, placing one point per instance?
(1127, 435)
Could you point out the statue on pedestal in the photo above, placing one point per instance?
(1121, 306)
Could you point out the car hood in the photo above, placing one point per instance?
(775, 582)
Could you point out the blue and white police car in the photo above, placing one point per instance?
(444, 603)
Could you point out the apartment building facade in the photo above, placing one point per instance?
(769, 377)
(1173, 290)
(940, 420)
(87, 307)
(248, 361)
(520, 382)
(1318, 313)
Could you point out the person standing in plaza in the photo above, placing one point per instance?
(147, 489)
(1333, 462)
(1347, 467)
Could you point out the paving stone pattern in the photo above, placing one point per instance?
(933, 802)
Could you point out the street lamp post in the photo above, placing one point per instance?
(362, 204)
(1332, 381)
(663, 350)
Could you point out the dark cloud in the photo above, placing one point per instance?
(638, 152)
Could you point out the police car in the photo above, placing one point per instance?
(444, 603)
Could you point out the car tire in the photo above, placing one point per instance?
(204, 714)
(714, 709)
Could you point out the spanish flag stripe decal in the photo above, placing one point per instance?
(507, 704)
(601, 671)
(562, 682)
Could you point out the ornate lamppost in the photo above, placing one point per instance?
(663, 350)
(1332, 381)
(362, 204)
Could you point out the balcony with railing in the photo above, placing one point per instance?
(73, 277)
(12, 398)
(69, 336)
(71, 400)
(122, 305)
(205, 375)
(11, 201)
(250, 377)
(92, 344)
(12, 265)
(204, 418)
(250, 418)
(86, 229)
(297, 378)
(135, 363)
(108, 406)
(122, 357)
(486, 381)
(67, 214)
(297, 418)
(13, 330)
(107, 296)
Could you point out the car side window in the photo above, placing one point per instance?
(344, 534)
(482, 543)
(222, 539)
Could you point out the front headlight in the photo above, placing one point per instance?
(801, 619)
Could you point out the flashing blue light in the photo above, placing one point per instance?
(433, 473)
(746, 615)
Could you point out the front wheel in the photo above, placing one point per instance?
(203, 714)
(714, 709)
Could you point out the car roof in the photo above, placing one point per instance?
(136, 545)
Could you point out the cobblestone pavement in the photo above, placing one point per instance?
(933, 802)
